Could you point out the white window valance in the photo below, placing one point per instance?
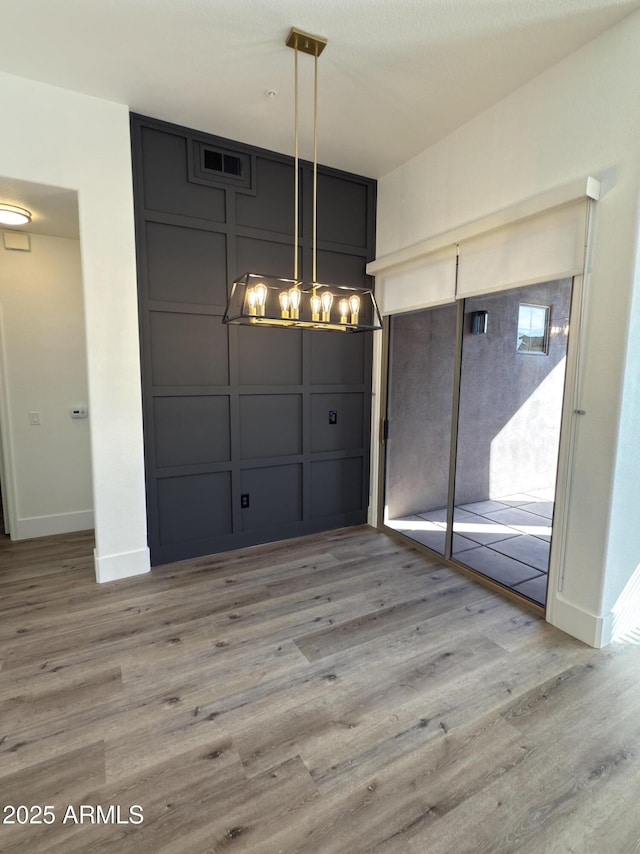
(540, 239)
(540, 248)
(425, 283)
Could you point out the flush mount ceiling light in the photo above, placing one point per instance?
(12, 215)
(263, 300)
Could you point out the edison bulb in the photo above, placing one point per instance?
(284, 303)
(294, 301)
(251, 301)
(261, 298)
(327, 301)
(343, 305)
(354, 305)
(315, 307)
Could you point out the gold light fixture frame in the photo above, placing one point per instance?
(293, 304)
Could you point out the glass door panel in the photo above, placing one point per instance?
(422, 354)
(510, 408)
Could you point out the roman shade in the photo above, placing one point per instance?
(549, 245)
(426, 282)
(539, 239)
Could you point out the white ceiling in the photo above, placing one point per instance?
(396, 75)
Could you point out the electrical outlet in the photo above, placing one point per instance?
(244, 500)
(333, 416)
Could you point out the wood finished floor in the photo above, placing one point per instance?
(337, 694)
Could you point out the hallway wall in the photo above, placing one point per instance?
(44, 356)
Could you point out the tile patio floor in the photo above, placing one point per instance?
(507, 539)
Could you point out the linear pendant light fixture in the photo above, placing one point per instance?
(263, 300)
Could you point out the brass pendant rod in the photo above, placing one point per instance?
(315, 169)
(296, 190)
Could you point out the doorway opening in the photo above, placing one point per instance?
(474, 411)
(45, 455)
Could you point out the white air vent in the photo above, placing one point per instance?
(17, 241)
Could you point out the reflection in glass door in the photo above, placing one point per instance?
(499, 483)
(511, 393)
(422, 351)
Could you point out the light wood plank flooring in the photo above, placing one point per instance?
(338, 694)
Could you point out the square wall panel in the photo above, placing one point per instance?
(269, 356)
(264, 256)
(186, 264)
(165, 179)
(347, 431)
(271, 208)
(342, 269)
(194, 507)
(275, 496)
(191, 430)
(270, 425)
(336, 487)
(342, 211)
(338, 359)
(188, 349)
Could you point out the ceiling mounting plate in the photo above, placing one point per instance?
(306, 42)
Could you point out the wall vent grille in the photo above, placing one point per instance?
(220, 161)
(218, 167)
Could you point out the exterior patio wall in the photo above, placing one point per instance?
(420, 401)
(510, 402)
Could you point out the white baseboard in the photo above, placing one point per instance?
(123, 565)
(591, 629)
(47, 526)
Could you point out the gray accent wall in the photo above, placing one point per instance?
(238, 445)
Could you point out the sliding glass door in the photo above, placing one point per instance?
(474, 414)
(511, 393)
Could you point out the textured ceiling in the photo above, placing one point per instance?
(396, 75)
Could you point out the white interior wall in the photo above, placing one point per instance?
(45, 370)
(621, 594)
(61, 138)
(578, 118)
